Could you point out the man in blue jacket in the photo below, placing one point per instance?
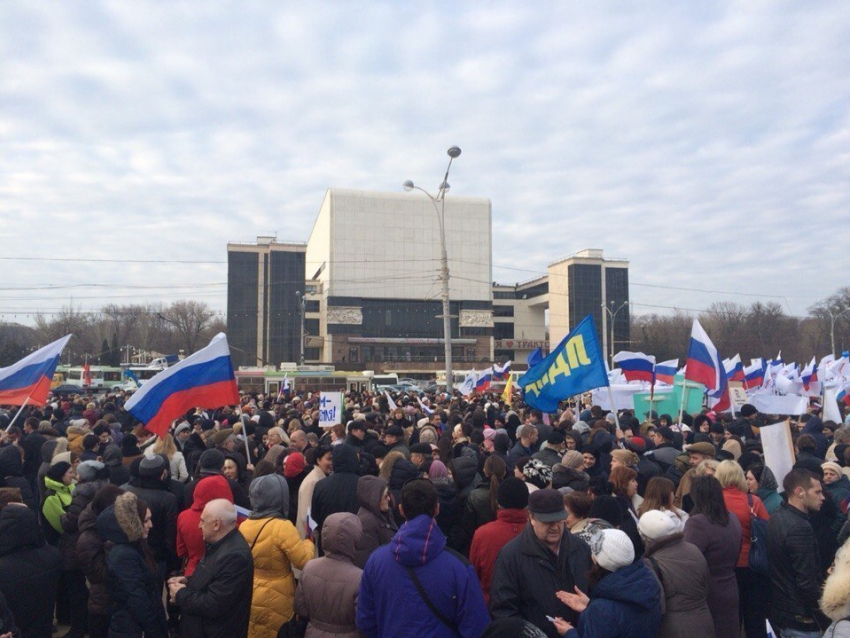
(415, 585)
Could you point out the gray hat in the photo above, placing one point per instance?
(180, 428)
(547, 505)
(151, 466)
(87, 470)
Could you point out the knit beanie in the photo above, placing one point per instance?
(613, 549)
(211, 460)
(88, 470)
(537, 473)
(294, 464)
(835, 467)
(734, 448)
(656, 524)
(512, 494)
(151, 466)
(573, 459)
(62, 457)
(57, 470)
(437, 470)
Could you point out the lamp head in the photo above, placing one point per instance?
(454, 152)
(408, 185)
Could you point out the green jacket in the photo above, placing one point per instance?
(56, 503)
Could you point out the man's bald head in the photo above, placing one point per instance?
(218, 519)
(298, 440)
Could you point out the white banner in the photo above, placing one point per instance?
(778, 449)
(831, 412)
(777, 404)
(330, 409)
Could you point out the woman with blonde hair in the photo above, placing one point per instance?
(753, 588)
(165, 445)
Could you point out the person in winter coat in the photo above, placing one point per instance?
(152, 487)
(488, 540)
(418, 553)
(322, 466)
(466, 478)
(91, 554)
(625, 598)
(337, 492)
(58, 493)
(166, 446)
(12, 471)
(215, 602)
(837, 486)
(753, 588)
(190, 540)
(762, 483)
(327, 593)
(8, 628)
(132, 578)
(482, 504)
(683, 573)
(717, 534)
(835, 601)
(276, 548)
(376, 518)
(543, 559)
(29, 571)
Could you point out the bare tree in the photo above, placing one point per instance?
(189, 320)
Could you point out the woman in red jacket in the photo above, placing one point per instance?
(753, 588)
(511, 519)
(190, 540)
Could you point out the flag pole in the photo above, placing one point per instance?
(18, 413)
(682, 402)
(613, 407)
(731, 399)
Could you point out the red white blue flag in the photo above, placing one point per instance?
(636, 366)
(28, 380)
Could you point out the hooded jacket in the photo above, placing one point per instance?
(91, 554)
(132, 582)
(489, 540)
(12, 470)
(29, 571)
(57, 500)
(83, 495)
(466, 477)
(835, 601)
(164, 510)
(626, 604)
(683, 572)
(768, 491)
(276, 549)
(190, 540)
(448, 579)
(527, 575)
(337, 492)
(327, 593)
(378, 527)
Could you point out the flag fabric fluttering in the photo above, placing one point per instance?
(424, 407)
(507, 394)
(575, 366)
(704, 364)
(666, 371)
(393, 407)
(87, 375)
(534, 357)
(468, 386)
(203, 379)
(734, 368)
(809, 375)
(28, 380)
(482, 383)
(132, 376)
(500, 373)
(636, 366)
(754, 375)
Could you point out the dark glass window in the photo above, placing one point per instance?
(585, 290)
(503, 311)
(242, 300)
(503, 331)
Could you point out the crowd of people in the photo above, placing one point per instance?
(418, 516)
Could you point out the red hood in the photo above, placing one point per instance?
(209, 489)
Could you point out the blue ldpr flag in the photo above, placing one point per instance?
(575, 366)
(534, 357)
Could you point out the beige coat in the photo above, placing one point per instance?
(305, 498)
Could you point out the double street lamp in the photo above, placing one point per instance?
(613, 315)
(439, 202)
(833, 318)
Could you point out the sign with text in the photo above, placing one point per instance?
(330, 408)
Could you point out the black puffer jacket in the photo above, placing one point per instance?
(132, 582)
(29, 571)
(164, 511)
(337, 492)
(795, 571)
(12, 470)
(466, 477)
(91, 554)
(82, 496)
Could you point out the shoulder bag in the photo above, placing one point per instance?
(757, 559)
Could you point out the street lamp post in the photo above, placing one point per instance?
(453, 153)
(613, 316)
(833, 318)
(303, 305)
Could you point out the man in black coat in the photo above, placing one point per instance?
(29, 570)
(792, 552)
(543, 559)
(216, 601)
(337, 492)
(152, 487)
(12, 471)
(31, 444)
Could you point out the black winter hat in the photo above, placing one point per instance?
(211, 460)
(512, 494)
(56, 472)
(748, 410)
(151, 466)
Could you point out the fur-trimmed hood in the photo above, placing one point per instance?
(120, 523)
(835, 601)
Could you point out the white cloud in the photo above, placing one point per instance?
(708, 144)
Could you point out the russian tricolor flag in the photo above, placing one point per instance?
(666, 371)
(482, 384)
(636, 366)
(28, 380)
(501, 373)
(204, 379)
(734, 368)
(809, 374)
(704, 364)
(754, 375)
(843, 394)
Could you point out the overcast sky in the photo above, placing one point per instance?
(708, 143)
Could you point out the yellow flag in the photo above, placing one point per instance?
(507, 395)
